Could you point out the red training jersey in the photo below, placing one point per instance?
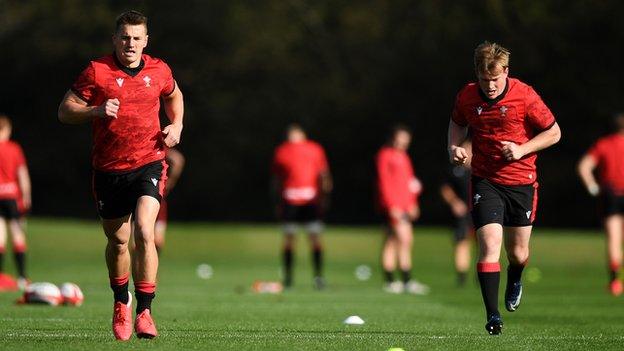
(134, 138)
(11, 159)
(517, 115)
(299, 166)
(608, 152)
(397, 185)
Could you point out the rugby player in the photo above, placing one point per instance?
(303, 182)
(175, 160)
(119, 94)
(509, 124)
(607, 155)
(398, 191)
(456, 193)
(15, 198)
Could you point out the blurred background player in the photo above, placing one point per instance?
(456, 194)
(175, 160)
(15, 199)
(120, 95)
(607, 155)
(509, 123)
(303, 181)
(398, 190)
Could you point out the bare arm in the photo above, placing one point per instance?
(174, 108)
(585, 169)
(541, 141)
(456, 136)
(74, 110)
(176, 162)
(23, 178)
(457, 205)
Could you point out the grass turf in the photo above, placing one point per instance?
(565, 306)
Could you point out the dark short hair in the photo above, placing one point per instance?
(294, 127)
(132, 18)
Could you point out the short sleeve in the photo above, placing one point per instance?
(322, 161)
(538, 114)
(458, 116)
(20, 160)
(169, 83)
(84, 86)
(597, 152)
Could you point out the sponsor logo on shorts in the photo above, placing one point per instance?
(100, 204)
(154, 181)
(528, 213)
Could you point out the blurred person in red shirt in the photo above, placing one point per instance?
(175, 160)
(15, 201)
(607, 156)
(303, 182)
(398, 190)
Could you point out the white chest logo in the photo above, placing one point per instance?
(147, 81)
(503, 110)
(119, 81)
(479, 110)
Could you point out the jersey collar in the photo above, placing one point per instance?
(128, 70)
(496, 99)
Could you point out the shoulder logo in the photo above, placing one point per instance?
(154, 181)
(147, 81)
(119, 81)
(479, 110)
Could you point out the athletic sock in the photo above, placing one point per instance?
(119, 285)
(317, 258)
(614, 270)
(514, 272)
(388, 276)
(489, 279)
(288, 262)
(406, 276)
(461, 278)
(19, 254)
(145, 293)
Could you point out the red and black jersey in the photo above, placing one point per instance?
(299, 166)
(517, 115)
(11, 159)
(134, 138)
(397, 185)
(608, 152)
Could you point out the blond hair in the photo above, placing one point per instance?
(489, 56)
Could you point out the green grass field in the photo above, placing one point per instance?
(566, 309)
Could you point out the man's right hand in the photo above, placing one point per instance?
(458, 155)
(108, 109)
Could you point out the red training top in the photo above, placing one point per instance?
(11, 159)
(397, 185)
(517, 115)
(134, 138)
(299, 165)
(608, 152)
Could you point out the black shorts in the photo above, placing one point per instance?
(463, 226)
(116, 193)
(611, 203)
(8, 209)
(508, 205)
(300, 213)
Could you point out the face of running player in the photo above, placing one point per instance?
(493, 84)
(129, 42)
(296, 135)
(401, 140)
